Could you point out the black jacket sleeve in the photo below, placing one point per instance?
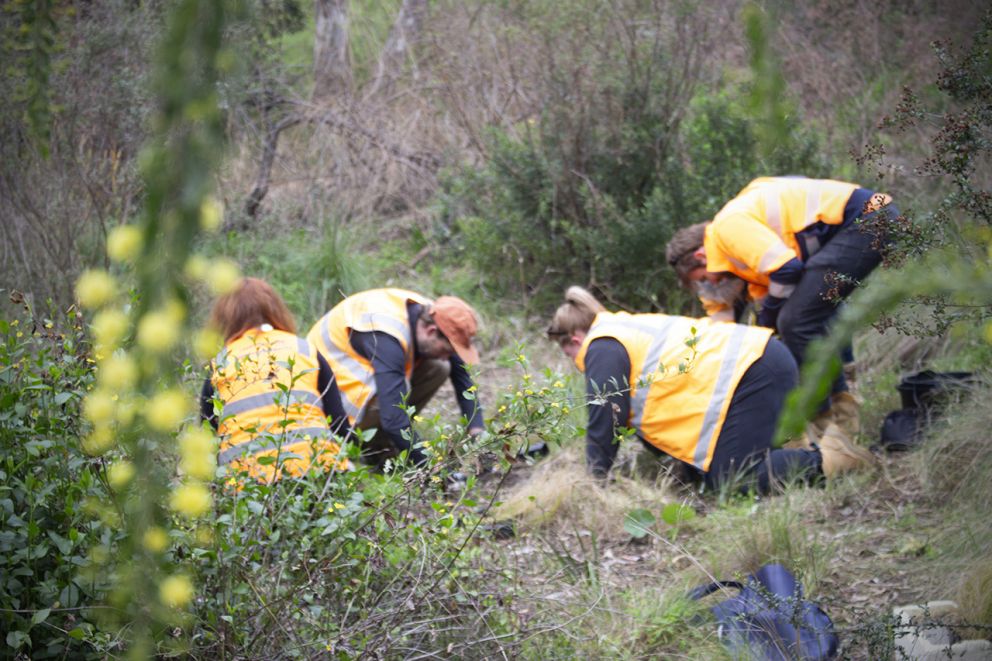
(608, 394)
(389, 364)
(330, 398)
(461, 380)
(207, 393)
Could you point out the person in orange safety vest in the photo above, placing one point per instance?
(708, 394)
(391, 350)
(794, 245)
(279, 409)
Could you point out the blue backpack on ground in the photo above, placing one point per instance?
(770, 619)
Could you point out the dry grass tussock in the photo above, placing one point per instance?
(559, 494)
(956, 466)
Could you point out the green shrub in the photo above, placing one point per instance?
(541, 214)
(47, 487)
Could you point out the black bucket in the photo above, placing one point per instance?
(928, 390)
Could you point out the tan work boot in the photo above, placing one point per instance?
(804, 442)
(839, 454)
(845, 410)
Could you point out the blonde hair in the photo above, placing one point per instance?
(575, 314)
(252, 304)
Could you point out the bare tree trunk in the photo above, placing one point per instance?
(261, 187)
(331, 65)
(402, 37)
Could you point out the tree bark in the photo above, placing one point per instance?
(404, 34)
(331, 64)
(261, 187)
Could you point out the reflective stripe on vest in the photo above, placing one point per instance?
(271, 442)
(723, 390)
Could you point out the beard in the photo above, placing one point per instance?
(728, 290)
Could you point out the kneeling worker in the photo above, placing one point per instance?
(799, 246)
(391, 349)
(708, 394)
(280, 411)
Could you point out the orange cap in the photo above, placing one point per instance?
(457, 320)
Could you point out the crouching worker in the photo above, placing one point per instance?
(391, 350)
(798, 247)
(708, 394)
(280, 408)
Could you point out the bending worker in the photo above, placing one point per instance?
(706, 393)
(798, 245)
(276, 392)
(391, 349)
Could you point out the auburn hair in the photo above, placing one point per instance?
(252, 304)
(575, 314)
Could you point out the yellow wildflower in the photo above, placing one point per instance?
(166, 410)
(175, 309)
(124, 243)
(176, 591)
(191, 499)
(223, 277)
(558, 384)
(120, 473)
(98, 407)
(555, 405)
(94, 288)
(196, 267)
(108, 328)
(158, 331)
(118, 372)
(98, 441)
(211, 214)
(125, 412)
(502, 408)
(197, 448)
(155, 539)
(339, 506)
(206, 343)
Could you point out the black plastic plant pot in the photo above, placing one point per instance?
(901, 430)
(928, 389)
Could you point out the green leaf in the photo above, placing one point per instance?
(16, 639)
(676, 513)
(63, 397)
(40, 616)
(638, 522)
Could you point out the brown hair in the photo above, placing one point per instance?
(679, 253)
(575, 314)
(252, 304)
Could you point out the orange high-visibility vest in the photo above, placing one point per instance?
(259, 419)
(681, 382)
(381, 310)
(754, 234)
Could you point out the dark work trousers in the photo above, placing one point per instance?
(743, 450)
(852, 253)
(427, 378)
